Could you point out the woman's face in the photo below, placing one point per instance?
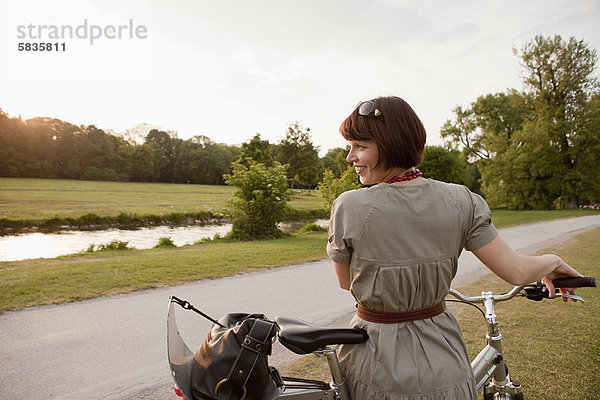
(364, 156)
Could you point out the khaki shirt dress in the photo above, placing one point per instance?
(402, 244)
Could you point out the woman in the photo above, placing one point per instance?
(395, 246)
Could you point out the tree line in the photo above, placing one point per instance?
(51, 148)
(55, 149)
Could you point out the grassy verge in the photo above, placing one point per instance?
(551, 347)
(88, 275)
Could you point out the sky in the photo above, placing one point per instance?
(231, 69)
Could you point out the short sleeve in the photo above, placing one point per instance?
(339, 248)
(482, 230)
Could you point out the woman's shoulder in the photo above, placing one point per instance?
(456, 193)
(450, 188)
(356, 199)
(354, 193)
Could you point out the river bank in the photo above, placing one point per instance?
(94, 222)
(31, 245)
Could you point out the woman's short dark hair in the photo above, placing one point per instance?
(398, 132)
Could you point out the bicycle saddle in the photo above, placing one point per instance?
(302, 337)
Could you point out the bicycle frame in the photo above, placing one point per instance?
(337, 390)
(489, 368)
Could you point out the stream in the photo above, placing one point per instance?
(49, 245)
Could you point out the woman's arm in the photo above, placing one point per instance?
(519, 269)
(342, 272)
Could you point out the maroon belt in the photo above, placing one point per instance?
(384, 317)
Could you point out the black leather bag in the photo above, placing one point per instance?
(232, 362)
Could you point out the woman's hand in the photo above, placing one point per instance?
(563, 270)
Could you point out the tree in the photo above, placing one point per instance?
(536, 148)
(221, 156)
(486, 127)
(147, 162)
(485, 133)
(168, 143)
(258, 150)
(560, 83)
(200, 160)
(12, 157)
(259, 202)
(443, 164)
(297, 150)
(335, 160)
(212, 162)
(588, 141)
(137, 134)
(331, 187)
(98, 154)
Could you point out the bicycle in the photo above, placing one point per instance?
(300, 337)
(489, 368)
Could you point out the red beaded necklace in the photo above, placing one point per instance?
(409, 175)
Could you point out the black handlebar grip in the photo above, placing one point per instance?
(584, 281)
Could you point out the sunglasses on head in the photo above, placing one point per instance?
(365, 108)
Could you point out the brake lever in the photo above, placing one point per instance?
(569, 296)
(539, 292)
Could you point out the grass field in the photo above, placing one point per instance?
(38, 199)
(552, 348)
(46, 198)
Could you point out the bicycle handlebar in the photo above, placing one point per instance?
(478, 299)
(585, 281)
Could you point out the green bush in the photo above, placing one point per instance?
(259, 203)
(165, 242)
(112, 245)
(293, 214)
(216, 239)
(175, 218)
(52, 223)
(331, 187)
(312, 228)
(89, 219)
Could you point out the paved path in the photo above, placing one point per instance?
(114, 347)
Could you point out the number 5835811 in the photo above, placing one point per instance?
(42, 46)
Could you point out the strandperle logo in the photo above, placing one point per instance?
(84, 31)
